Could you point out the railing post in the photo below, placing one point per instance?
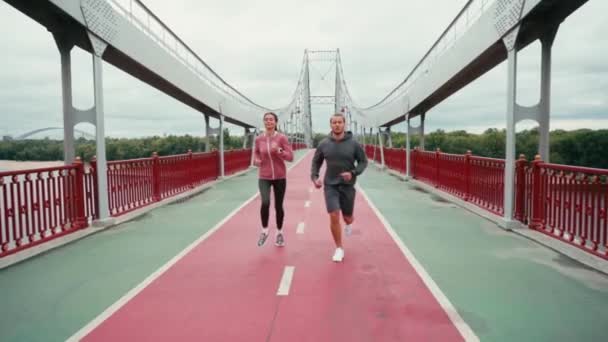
(413, 160)
(404, 164)
(467, 175)
(252, 157)
(80, 220)
(156, 177)
(95, 196)
(218, 166)
(537, 196)
(520, 190)
(437, 156)
(190, 169)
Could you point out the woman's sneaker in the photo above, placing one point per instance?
(280, 241)
(262, 239)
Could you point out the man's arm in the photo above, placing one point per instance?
(317, 161)
(361, 159)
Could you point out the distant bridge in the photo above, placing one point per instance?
(36, 131)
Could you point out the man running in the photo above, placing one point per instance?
(340, 151)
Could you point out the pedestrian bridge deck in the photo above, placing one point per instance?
(417, 268)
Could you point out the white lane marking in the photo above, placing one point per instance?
(464, 329)
(300, 229)
(285, 283)
(80, 334)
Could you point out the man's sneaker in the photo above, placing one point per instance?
(338, 255)
(280, 241)
(348, 230)
(263, 237)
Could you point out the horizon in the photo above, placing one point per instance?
(315, 133)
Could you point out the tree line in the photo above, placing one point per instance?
(583, 147)
(116, 148)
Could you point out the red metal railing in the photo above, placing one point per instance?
(570, 203)
(523, 190)
(133, 184)
(205, 167)
(377, 154)
(475, 179)
(369, 151)
(173, 175)
(394, 158)
(565, 202)
(130, 184)
(40, 205)
(485, 181)
(450, 173)
(424, 166)
(237, 160)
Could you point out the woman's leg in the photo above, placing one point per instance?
(279, 188)
(264, 187)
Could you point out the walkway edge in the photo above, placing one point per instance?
(141, 286)
(518, 228)
(463, 328)
(98, 226)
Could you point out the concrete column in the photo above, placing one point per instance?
(510, 143)
(102, 165)
(65, 45)
(408, 155)
(380, 143)
(245, 137)
(222, 167)
(422, 118)
(207, 134)
(545, 94)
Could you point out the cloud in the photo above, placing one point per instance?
(258, 47)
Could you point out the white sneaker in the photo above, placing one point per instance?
(338, 255)
(348, 230)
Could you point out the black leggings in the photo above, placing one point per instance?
(278, 186)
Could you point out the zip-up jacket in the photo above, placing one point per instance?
(272, 164)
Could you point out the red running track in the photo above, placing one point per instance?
(225, 289)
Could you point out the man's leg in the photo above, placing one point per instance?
(347, 205)
(332, 202)
(336, 228)
(348, 229)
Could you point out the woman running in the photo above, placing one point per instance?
(271, 150)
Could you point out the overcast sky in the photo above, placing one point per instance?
(257, 46)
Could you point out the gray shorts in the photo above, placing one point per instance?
(340, 197)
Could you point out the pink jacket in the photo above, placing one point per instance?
(272, 164)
